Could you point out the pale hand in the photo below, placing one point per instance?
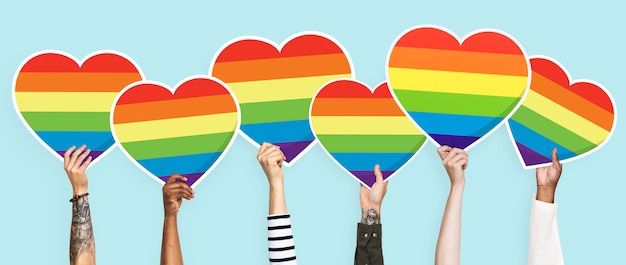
(75, 163)
(455, 161)
(373, 198)
(271, 159)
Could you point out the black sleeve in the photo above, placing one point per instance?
(369, 249)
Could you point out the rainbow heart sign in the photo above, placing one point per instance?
(576, 117)
(275, 84)
(64, 102)
(360, 128)
(184, 131)
(457, 92)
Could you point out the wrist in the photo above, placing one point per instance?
(370, 207)
(546, 193)
(79, 190)
(277, 186)
(370, 216)
(170, 216)
(458, 184)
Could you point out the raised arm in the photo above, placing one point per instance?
(544, 240)
(82, 244)
(448, 251)
(174, 191)
(369, 248)
(281, 245)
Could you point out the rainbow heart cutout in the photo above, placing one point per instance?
(64, 102)
(360, 128)
(275, 84)
(577, 117)
(457, 92)
(185, 131)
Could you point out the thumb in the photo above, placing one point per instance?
(378, 174)
(555, 157)
(443, 151)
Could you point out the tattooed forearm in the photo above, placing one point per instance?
(81, 234)
(370, 217)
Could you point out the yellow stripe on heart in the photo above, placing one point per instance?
(177, 127)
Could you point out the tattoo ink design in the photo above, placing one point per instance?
(81, 232)
(370, 217)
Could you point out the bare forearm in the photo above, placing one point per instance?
(277, 203)
(82, 244)
(449, 243)
(171, 253)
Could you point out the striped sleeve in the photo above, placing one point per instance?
(280, 242)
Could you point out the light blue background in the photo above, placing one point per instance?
(226, 222)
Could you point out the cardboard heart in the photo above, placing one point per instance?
(457, 93)
(576, 117)
(360, 128)
(65, 102)
(184, 131)
(275, 84)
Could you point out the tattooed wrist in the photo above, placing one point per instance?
(370, 216)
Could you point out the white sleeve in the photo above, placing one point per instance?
(545, 243)
(280, 242)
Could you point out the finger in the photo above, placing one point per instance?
(281, 152)
(267, 151)
(176, 177)
(274, 158)
(84, 166)
(174, 193)
(443, 151)
(378, 174)
(263, 147)
(81, 158)
(275, 150)
(186, 192)
(460, 159)
(66, 156)
(178, 185)
(74, 156)
(263, 150)
(451, 156)
(463, 163)
(555, 158)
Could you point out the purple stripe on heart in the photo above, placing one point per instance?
(94, 154)
(368, 176)
(191, 178)
(454, 140)
(531, 157)
(293, 149)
